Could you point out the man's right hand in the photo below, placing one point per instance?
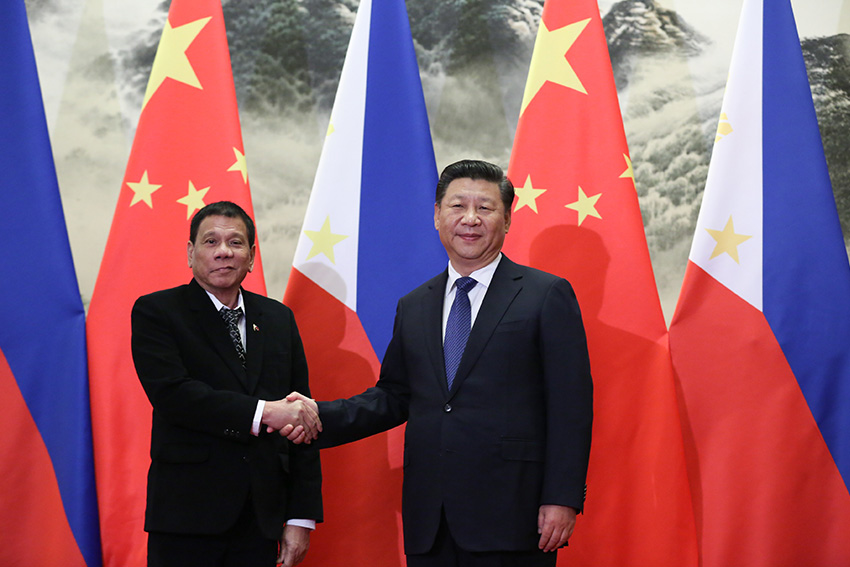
(295, 433)
(297, 418)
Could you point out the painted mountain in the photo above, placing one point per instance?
(473, 56)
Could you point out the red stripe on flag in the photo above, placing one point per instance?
(766, 490)
(32, 517)
(361, 485)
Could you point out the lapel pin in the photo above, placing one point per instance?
(256, 328)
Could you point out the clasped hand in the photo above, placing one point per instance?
(295, 417)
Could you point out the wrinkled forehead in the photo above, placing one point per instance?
(220, 224)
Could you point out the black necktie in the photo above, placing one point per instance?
(458, 326)
(231, 317)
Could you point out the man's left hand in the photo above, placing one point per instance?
(293, 545)
(555, 525)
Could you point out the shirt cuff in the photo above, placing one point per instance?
(309, 524)
(258, 418)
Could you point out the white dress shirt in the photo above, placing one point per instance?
(482, 276)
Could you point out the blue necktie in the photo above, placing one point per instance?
(231, 317)
(457, 327)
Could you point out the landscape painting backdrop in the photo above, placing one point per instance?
(670, 60)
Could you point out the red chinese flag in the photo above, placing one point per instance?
(187, 152)
(577, 215)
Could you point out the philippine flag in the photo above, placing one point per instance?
(368, 239)
(761, 335)
(48, 505)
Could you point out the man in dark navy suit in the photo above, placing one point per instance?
(215, 361)
(499, 423)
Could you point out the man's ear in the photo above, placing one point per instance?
(253, 255)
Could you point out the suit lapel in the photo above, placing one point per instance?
(432, 309)
(505, 285)
(254, 339)
(214, 329)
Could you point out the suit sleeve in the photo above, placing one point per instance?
(378, 409)
(568, 397)
(175, 395)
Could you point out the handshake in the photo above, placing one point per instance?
(295, 417)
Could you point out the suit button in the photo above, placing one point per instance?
(447, 408)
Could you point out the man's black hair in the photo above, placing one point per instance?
(224, 209)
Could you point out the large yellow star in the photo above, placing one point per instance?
(527, 196)
(549, 61)
(240, 165)
(324, 241)
(194, 199)
(171, 60)
(630, 172)
(586, 206)
(142, 190)
(727, 240)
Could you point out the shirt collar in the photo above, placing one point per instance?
(482, 275)
(218, 304)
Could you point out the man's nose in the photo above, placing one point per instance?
(224, 250)
(470, 216)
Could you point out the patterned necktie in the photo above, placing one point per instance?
(458, 326)
(231, 317)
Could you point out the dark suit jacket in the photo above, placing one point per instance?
(514, 431)
(204, 460)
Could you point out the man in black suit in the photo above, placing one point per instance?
(498, 426)
(221, 486)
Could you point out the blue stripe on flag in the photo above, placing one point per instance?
(399, 247)
(806, 272)
(43, 336)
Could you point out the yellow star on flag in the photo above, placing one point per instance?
(629, 173)
(330, 129)
(324, 241)
(171, 60)
(194, 200)
(549, 61)
(724, 128)
(527, 196)
(240, 165)
(142, 190)
(586, 206)
(727, 240)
